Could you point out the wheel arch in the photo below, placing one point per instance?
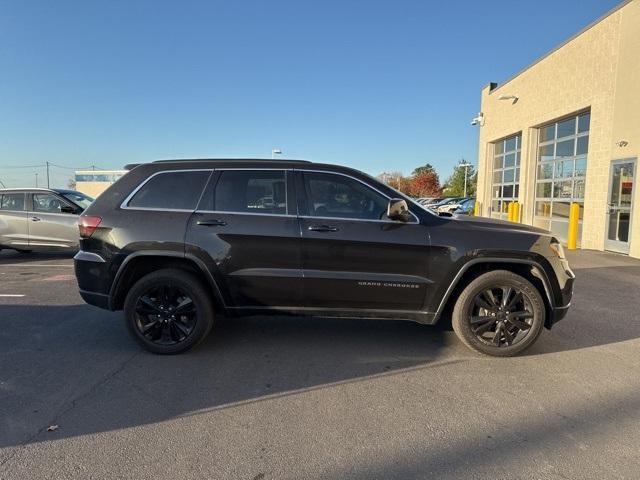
(530, 269)
(140, 263)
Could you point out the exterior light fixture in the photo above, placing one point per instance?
(275, 151)
(478, 120)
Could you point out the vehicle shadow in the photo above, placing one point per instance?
(14, 257)
(77, 366)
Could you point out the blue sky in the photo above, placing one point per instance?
(377, 85)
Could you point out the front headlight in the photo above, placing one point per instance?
(556, 248)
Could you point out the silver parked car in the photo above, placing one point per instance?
(40, 218)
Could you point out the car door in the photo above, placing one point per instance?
(53, 222)
(14, 231)
(246, 231)
(353, 256)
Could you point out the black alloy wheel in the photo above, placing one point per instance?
(499, 313)
(169, 311)
(166, 315)
(501, 316)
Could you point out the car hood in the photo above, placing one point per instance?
(492, 223)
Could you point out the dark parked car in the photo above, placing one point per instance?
(40, 218)
(176, 243)
(466, 207)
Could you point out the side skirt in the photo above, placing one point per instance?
(370, 314)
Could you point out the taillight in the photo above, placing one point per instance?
(88, 224)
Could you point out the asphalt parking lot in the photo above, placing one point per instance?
(294, 398)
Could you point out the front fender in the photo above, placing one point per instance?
(539, 265)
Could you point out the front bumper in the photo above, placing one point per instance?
(566, 279)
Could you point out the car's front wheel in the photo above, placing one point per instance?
(499, 313)
(168, 311)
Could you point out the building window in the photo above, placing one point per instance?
(98, 177)
(506, 174)
(561, 171)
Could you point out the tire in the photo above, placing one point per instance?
(521, 321)
(170, 328)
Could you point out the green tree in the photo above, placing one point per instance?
(454, 186)
(428, 168)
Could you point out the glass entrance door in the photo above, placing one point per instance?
(620, 205)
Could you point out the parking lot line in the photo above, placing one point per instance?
(33, 265)
(15, 295)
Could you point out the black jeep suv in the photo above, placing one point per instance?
(175, 243)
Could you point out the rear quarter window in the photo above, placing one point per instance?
(171, 191)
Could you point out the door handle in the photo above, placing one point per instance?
(35, 219)
(323, 228)
(211, 223)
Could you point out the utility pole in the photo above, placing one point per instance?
(465, 165)
(47, 174)
(465, 182)
(36, 179)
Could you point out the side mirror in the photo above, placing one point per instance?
(398, 210)
(67, 209)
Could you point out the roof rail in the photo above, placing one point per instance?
(231, 160)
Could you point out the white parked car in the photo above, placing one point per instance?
(40, 218)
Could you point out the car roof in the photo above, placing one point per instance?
(26, 189)
(36, 189)
(225, 161)
(257, 163)
(66, 190)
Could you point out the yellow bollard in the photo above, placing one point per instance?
(572, 236)
(516, 212)
(476, 209)
(510, 212)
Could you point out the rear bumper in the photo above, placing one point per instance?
(93, 276)
(100, 300)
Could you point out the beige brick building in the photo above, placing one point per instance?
(567, 129)
(94, 182)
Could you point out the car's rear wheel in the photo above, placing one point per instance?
(168, 311)
(499, 313)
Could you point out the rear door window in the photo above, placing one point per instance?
(12, 201)
(251, 191)
(179, 190)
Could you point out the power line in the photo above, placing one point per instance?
(51, 164)
(23, 166)
(90, 167)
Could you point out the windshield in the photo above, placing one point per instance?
(78, 198)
